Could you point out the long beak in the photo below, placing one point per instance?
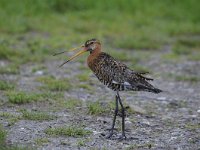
(74, 56)
(67, 51)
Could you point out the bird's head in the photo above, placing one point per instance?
(91, 46)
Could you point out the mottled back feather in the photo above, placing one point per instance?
(117, 76)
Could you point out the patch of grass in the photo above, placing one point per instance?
(138, 42)
(140, 68)
(72, 103)
(177, 104)
(6, 86)
(40, 116)
(186, 78)
(192, 43)
(51, 95)
(130, 29)
(179, 49)
(4, 146)
(2, 136)
(85, 86)
(96, 108)
(83, 77)
(192, 127)
(195, 56)
(5, 114)
(39, 67)
(80, 143)
(53, 84)
(186, 46)
(8, 53)
(170, 56)
(120, 55)
(67, 131)
(10, 69)
(11, 118)
(41, 141)
(22, 97)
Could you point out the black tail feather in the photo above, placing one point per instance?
(155, 90)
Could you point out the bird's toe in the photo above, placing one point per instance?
(122, 137)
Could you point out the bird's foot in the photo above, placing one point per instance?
(122, 137)
(109, 136)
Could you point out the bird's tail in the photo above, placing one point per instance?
(155, 90)
(149, 89)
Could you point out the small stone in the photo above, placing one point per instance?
(128, 123)
(96, 132)
(162, 98)
(193, 116)
(39, 72)
(146, 122)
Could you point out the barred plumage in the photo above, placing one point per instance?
(115, 75)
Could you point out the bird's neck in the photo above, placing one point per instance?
(94, 54)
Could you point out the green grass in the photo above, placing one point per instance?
(72, 103)
(7, 53)
(97, 108)
(170, 57)
(10, 69)
(189, 42)
(6, 114)
(194, 57)
(83, 76)
(140, 68)
(3, 144)
(48, 95)
(136, 24)
(22, 97)
(2, 136)
(20, 54)
(186, 46)
(6, 86)
(81, 143)
(193, 127)
(11, 118)
(39, 116)
(38, 68)
(186, 78)
(85, 86)
(67, 131)
(31, 32)
(53, 84)
(41, 141)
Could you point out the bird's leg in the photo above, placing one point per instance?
(123, 136)
(114, 119)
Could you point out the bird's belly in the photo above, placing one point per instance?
(111, 85)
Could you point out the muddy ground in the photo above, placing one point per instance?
(169, 120)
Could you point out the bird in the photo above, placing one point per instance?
(115, 75)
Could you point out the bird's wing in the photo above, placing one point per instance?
(116, 74)
(112, 69)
